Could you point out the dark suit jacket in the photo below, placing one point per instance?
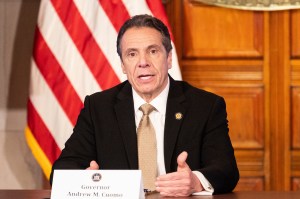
(106, 132)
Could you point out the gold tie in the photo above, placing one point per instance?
(147, 148)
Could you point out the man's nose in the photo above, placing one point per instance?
(143, 60)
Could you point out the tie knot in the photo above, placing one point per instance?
(146, 108)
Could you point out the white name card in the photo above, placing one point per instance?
(92, 184)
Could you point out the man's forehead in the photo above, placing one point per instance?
(143, 36)
(138, 30)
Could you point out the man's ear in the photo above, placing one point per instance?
(123, 67)
(169, 59)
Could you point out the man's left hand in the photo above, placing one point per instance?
(183, 182)
(93, 165)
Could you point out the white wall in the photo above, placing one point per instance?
(18, 168)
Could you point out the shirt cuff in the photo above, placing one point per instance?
(208, 189)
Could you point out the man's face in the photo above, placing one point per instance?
(145, 61)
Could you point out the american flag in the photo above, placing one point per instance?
(75, 55)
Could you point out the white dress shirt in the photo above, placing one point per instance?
(157, 118)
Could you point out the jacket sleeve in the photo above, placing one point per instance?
(218, 160)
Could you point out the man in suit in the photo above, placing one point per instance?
(194, 151)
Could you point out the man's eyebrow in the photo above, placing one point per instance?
(153, 46)
(147, 48)
(130, 49)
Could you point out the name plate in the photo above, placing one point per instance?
(90, 184)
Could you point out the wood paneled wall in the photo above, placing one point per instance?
(252, 59)
(295, 98)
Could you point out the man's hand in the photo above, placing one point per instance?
(93, 165)
(181, 183)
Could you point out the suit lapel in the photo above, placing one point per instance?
(173, 123)
(125, 115)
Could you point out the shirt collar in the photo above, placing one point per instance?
(160, 102)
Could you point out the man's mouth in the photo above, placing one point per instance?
(145, 77)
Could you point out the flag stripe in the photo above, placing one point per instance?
(136, 7)
(56, 78)
(158, 11)
(69, 57)
(48, 108)
(119, 14)
(103, 31)
(85, 43)
(42, 134)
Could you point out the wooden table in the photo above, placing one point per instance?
(44, 194)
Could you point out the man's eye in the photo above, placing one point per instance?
(131, 54)
(153, 51)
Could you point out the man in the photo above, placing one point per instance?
(194, 151)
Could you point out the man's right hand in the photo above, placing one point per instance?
(93, 165)
(183, 182)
